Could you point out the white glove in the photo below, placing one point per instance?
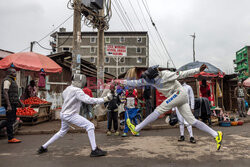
(108, 97)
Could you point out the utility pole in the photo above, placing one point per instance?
(167, 64)
(76, 56)
(31, 46)
(100, 56)
(193, 46)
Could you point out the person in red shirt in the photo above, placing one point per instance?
(131, 109)
(205, 89)
(87, 91)
(205, 102)
(87, 109)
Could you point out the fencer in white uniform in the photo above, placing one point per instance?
(73, 96)
(181, 120)
(166, 83)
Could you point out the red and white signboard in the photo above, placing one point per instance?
(116, 50)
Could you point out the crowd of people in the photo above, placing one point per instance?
(122, 102)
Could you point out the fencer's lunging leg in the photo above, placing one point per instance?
(151, 118)
(91, 135)
(64, 129)
(202, 126)
(185, 111)
(86, 124)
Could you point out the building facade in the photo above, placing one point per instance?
(242, 62)
(136, 44)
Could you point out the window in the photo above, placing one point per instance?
(106, 70)
(139, 40)
(139, 60)
(92, 50)
(138, 50)
(92, 60)
(122, 39)
(122, 70)
(107, 59)
(66, 49)
(122, 60)
(92, 40)
(107, 40)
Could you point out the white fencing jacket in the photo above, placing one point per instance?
(73, 97)
(166, 82)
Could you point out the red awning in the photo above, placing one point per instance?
(30, 61)
(212, 75)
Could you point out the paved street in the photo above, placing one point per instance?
(153, 148)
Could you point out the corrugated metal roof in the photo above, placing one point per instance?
(211, 68)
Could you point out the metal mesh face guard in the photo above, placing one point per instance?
(151, 73)
(79, 80)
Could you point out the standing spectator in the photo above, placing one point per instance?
(205, 102)
(131, 110)
(10, 101)
(181, 120)
(240, 93)
(30, 90)
(205, 90)
(147, 98)
(122, 96)
(113, 112)
(87, 109)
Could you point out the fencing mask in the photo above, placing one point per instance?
(151, 73)
(79, 80)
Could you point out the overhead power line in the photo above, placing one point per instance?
(123, 15)
(119, 16)
(154, 25)
(157, 50)
(135, 14)
(50, 32)
(119, 2)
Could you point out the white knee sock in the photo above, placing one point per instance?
(200, 125)
(52, 140)
(91, 134)
(152, 117)
(182, 129)
(190, 130)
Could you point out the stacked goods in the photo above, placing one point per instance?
(234, 123)
(34, 100)
(240, 122)
(27, 111)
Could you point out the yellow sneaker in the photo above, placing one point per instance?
(218, 139)
(131, 127)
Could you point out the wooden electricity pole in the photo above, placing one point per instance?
(76, 56)
(100, 56)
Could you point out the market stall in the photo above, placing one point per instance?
(212, 77)
(34, 66)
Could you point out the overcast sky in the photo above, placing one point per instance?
(222, 27)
